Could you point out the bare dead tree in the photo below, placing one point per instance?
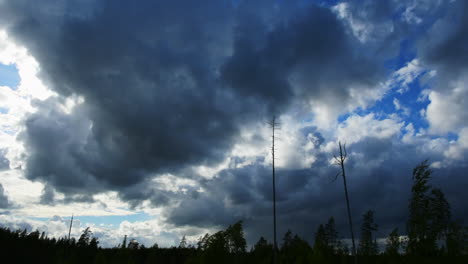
(69, 231)
(340, 162)
(274, 125)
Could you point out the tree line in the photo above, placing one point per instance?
(431, 237)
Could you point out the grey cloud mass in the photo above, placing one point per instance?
(166, 86)
(448, 52)
(4, 202)
(4, 162)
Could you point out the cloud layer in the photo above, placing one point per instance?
(160, 93)
(166, 105)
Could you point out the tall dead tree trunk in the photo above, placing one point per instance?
(69, 231)
(340, 162)
(273, 125)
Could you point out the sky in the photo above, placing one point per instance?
(149, 118)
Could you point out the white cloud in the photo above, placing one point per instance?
(17, 100)
(399, 107)
(326, 110)
(293, 148)
(406, 75)
(172, 183)
(356, 127)
(20, 190)
(447, 110)
(410, 16)
(361, 28)
(415, 10)
(458, 149)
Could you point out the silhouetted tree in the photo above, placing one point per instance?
(34, 235)
(230, 240)
(262, 252)
(85, 238)
(321, 246)
(155, 246)
(368, 244)
(133, 244)
(235, 238)
(429, 214)
(393, 245)
(332, 234)
(43, 236)
(94, 243)
(457, 240)
(183, 242)
(124, 242)
(326, 239)
(295, 249)
(440, 212)
(24, 233)
(262, 243)
(287, 239)
(223, 246)
(202, 242)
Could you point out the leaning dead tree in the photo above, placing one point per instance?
(340, 160)
(274, 125)
(69, 231)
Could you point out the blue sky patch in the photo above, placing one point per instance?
(9, 76)
(107, 220)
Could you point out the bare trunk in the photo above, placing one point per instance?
(275, 245)
(69, 231)
(341, 161)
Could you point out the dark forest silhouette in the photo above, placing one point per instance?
(432, 237)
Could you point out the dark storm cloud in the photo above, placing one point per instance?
(448, 52)
(300, 58)
(4, 202)
(168, 85)
(379, 178)
(146, 72)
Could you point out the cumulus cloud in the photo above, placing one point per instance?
(367, 20)
(447, 109)
(356, 127)
(446, 54)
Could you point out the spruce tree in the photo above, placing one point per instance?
(321, 247)
(326, 239)
(368, 244)
(332, 234)
(183, 242)
(393, 245)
